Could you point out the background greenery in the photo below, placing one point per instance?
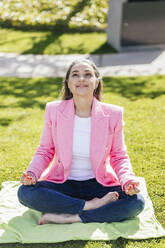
(22, 103)
(54, 27)
(50, 14)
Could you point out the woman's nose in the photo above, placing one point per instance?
(81, 78)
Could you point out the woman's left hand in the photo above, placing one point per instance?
(132, 188)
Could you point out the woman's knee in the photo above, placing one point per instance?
(24, 194)
(138, 204)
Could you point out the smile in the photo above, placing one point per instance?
(81, 86)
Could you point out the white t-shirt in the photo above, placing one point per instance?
(81, 168)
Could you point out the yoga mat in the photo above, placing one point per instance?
(20, 224)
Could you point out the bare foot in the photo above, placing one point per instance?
(99, 202)
(50, 218)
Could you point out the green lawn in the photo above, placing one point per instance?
(53, 42)
(22, 103)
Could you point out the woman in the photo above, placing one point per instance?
(90, 178)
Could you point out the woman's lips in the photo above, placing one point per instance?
(81, 86)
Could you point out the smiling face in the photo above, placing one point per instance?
(82, 80)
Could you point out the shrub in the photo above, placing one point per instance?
(50, 14)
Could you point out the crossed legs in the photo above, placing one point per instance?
(59, 207)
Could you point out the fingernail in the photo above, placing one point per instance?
(25, 174)
(117, 195)
(29, 177)
(130, 187)
(133, 185)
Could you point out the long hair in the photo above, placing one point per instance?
(67, 94)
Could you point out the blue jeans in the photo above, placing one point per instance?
(70, 196)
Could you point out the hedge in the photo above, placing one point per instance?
(50, 14)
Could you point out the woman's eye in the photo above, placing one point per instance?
(75, 75)
(88, 75)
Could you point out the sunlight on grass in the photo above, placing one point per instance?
(42, 42)
(143, 98)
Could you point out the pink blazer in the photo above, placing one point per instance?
(110, 162)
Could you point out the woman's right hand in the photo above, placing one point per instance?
(28, 178)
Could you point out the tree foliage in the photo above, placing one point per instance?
(53, 13)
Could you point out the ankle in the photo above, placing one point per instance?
(74, 218)
(87, 206)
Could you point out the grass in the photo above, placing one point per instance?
(143, 98)
(51, 42)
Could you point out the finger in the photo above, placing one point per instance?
(129, 192)
(27, 182)
(137, 190)
(29, 177)
(30, 182)
(24, 183)
(135, 185)
(24, 177)
(128, 189)
(33, 181)
(116, 195)
(21, 179)
(134, 191)
(132, 186)
(25, 174)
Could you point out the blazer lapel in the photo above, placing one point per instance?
(99, 133)
(65, 125)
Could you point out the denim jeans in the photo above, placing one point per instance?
(70, 196)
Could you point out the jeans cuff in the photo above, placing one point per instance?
(82, 218)
(81, 206)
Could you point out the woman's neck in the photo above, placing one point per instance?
(83, 106)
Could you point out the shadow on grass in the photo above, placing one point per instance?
(5, 121)
(36, 92)
(29, 93)
(54, 37)
(40, 46)
(134, 88)
(122, 243)
(104, 49)
(119, 243)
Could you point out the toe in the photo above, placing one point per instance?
(41, 222)
(116, 195)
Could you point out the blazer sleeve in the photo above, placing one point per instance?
(119, 159)
(46, 150)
